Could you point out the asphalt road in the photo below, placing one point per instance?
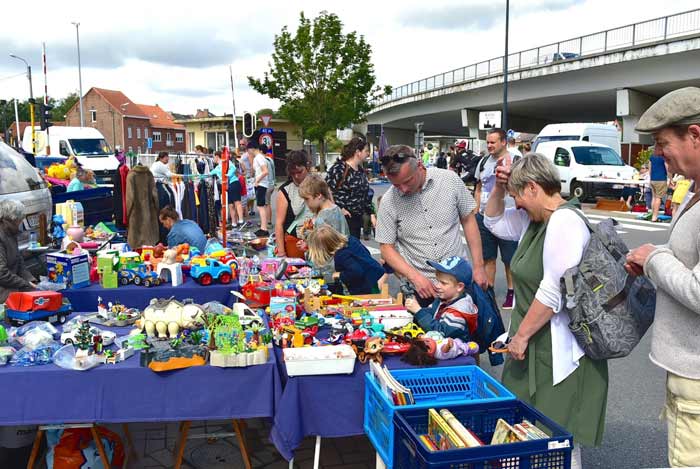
(634, 435)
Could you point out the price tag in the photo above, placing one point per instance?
(558, 444)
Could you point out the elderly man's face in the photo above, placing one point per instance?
(407, 180)
(681, 153)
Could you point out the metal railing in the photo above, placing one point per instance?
(645, 32)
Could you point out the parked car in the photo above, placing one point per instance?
(579, 161)
(603, 134)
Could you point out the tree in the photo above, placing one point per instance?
(62, 107)
(324, 78)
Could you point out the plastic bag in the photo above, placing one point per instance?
(74, 323)
(65, 358)
(32, 335)
(39, 356)
(46, 285)
(6, 353)
(74, 448)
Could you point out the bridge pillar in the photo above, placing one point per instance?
(631, 104)
(470, 120)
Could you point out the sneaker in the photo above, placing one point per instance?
(251, 213)
(508, 303)
(262, 233)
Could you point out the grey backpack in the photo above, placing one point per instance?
(609, 310)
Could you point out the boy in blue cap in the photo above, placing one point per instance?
(453, 313)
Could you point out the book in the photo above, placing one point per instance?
(533, 432)
(504, 433)
(466, 435)
(428, 442)
(442, 434)
(397, 393)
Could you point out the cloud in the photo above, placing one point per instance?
(113, 50)
(189, 92)
(475, 17)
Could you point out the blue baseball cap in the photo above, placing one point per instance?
(456, 266)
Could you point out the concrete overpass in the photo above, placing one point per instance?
(608, 75)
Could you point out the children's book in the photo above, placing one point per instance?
(504, 433)
(467, 436)
(442, 434)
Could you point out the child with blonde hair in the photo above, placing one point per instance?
(353, 263)
(317, 196)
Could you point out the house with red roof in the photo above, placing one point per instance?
(126, 124)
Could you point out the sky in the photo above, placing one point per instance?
(178, 57)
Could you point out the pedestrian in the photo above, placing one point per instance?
(422, 217)
(546, 367)
(291, 210)
(356, 269)
(441, 161)
(681, 185)
(349, 184)
(235, 206)
(486, 181)
(249, 173)
(317, 197)
(181, 231)
(271, 179)
(659, 184)
(674, 121)
(82, 177)
(159, 168)
(514, 150)
(13, 275)
(261, 182)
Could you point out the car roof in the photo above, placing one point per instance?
(568, 144)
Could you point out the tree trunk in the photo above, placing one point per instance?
(322, 155)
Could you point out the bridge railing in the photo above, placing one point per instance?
(645, 32)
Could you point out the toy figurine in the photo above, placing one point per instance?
(370, 348)
(97, 344)
(427, 351)
(57, 231)
(83, 338)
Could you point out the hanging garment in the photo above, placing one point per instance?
(141, 207)
(211, 210)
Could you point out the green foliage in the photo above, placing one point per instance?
(324, 78)
(61, 107)
(268, 111)
(643, 157)
(333, 145)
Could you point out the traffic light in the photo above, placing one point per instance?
(249, 121)
(45, 116)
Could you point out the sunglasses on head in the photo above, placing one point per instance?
(398, 158)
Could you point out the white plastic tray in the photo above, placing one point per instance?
(307, 361)
(392, 318)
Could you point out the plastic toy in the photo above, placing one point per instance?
(22, 307)
(245, 315)
(209, 272)
(114, 315)
(167, 317)
(57, 231)
(173, 355)
(369, 349)
(140, 276)
(411, 330)
(71, 337)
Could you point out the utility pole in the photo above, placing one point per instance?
(31, 101)
(80, 74)
(505, 74)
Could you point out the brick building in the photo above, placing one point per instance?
(127, 124)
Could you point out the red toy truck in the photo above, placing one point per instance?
(22, 307)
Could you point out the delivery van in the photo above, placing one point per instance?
(86, 144)
(579, 162)
(603, 134)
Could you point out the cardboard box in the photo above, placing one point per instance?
(109, 279)
(107, 262)
(278, 307)
(73, 270)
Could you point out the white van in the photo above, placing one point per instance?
(603, 134)
(579, 161)
(87, 144)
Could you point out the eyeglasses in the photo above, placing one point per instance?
(398, 158)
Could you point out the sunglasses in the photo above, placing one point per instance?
(499, 346)
(398, 158)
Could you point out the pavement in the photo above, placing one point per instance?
(634, 436)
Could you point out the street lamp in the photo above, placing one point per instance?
(31, 101)
(505, 74)
(80, 74)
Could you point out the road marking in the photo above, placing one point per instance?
(631, 220)
(633, 227)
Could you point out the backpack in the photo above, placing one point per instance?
(609, 310)
(466, 165)
(490, 324)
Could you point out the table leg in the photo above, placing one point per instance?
(35, 449)
(317, 452)
(184, 430)
(291, 463)
(130, 443)
(100, 447)
(238, 426)
(380, 462)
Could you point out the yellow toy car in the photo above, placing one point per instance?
(411, 330)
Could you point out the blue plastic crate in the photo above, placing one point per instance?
(481, 418)
(431, 386)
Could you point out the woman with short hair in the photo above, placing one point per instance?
(546, 368)
(13, 275)
(291, 210)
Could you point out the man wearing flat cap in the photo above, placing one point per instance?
(674, 121)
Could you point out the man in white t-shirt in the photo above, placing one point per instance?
(261, 183)
(159, 168)
(514, 150)
(486, 180)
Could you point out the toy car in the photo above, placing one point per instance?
(209, 272)
(68, 337)
(139, 276)
(22, 307)
(411, 330)
(245, 315)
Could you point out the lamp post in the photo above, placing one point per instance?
(505, 74)
(31, 101)
(80, 74)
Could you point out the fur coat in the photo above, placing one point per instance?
(141, 207)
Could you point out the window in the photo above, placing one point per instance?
(156, 136)
(190, 139)
(562, 157)
(131, 149)
(138, 150)
(179, 138)
(93, 115)
(145, 132)
(138, 133)
(597, 156)
(128, 132)
(168, 139)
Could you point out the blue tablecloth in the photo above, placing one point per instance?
(127, 392)
(328, 406)
(85, 299)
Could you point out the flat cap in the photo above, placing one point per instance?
(679, 107)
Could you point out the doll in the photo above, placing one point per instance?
(427, 351)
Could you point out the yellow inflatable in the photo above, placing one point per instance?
(64, 171)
